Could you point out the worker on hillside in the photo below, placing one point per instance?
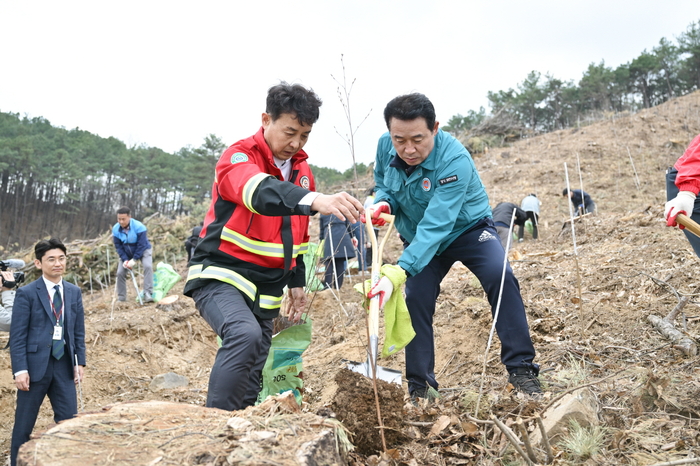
(131, 242)
(682, 186)
(253, 240)
(502, 214)
(582, 201)
(531, 205)
(427, 179)
(339, 245)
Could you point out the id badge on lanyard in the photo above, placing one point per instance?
(57, 329)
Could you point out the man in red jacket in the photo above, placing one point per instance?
(682, 187)
(253, 241)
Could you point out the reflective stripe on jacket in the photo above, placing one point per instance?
(255, 232)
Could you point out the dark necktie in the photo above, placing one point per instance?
(57, 345)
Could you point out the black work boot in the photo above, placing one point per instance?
(525, 380)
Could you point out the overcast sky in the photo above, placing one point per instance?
(168, 73)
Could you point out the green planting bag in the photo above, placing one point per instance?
(310, 261)
(283, 368)
(164, 278)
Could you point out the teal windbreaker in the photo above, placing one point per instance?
(440, 200)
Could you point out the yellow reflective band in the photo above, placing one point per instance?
(270, 302)
(303, 248)
(260, 248)
(250, 188)
(228, 276)
(256, 247)
(194, 272)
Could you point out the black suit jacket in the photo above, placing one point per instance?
(31, 331)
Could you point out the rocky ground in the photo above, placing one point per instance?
(588, 305)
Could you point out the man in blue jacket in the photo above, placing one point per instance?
(428, 180)
(131, 240)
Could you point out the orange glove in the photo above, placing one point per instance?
(376, 210)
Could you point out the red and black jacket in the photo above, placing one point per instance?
(255, 232)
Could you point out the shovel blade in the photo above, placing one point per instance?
(383, 373)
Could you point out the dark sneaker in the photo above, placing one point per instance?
(525, 381)
(420, 395)
(147, 298)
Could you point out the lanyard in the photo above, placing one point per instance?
(53, 308)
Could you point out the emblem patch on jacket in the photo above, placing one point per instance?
(426, 184)
(304, 182)
(239, 157)
(449, 179)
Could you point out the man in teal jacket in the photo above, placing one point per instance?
(428, 180)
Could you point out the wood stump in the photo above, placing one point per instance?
(154, 432)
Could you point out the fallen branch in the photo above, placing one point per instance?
(526, 441)
(512, 439)
(674, 463)
(545, 440)
(666, 328)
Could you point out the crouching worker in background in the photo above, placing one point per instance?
(131, 241)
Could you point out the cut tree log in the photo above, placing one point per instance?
(154, 432)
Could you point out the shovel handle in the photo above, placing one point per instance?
(689, 223)
(373, 314)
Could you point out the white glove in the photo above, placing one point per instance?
(384, 288)
(129, 264)
(683, 203)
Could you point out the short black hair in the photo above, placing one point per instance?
(409, 107)
(565, 192)
(294, 99)
(45, 245)
(124, 210)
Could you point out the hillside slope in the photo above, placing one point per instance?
(587, 309)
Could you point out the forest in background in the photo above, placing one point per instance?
(69, 183)
(541, 104)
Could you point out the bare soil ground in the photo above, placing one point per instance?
(587, 308)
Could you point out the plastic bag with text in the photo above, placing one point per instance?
(283, 368)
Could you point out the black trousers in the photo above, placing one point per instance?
(534, 219)
(236, 377)
(58, 384)
(480, 250)
(335, 268)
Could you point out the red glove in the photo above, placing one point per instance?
(384, 289)
(376, 210)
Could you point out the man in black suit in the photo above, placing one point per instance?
(47, 339)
